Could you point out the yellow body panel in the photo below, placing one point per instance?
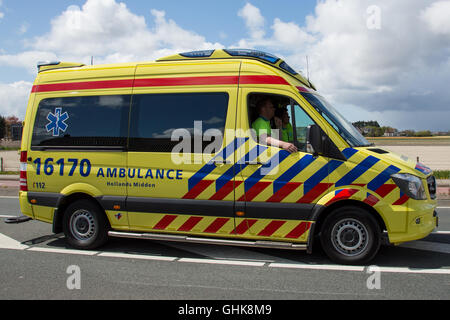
(123, 176)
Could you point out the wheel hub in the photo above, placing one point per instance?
(350, 237)
(82, 225)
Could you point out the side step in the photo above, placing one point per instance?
(241, 243)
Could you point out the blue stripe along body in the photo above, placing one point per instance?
(321, 174)
(382, 178)
(357, 171)
(210, 166)
(257, 176)
(290, 173)
(239, 166)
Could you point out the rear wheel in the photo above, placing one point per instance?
(350, 235)
(85, 225)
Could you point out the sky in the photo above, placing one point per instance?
(378, 60)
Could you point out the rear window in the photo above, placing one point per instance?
(155, 117)
(93, 121)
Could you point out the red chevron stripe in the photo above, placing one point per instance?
(286, 190)
(254, 191)
(199, 188)
(244, 226)
(401, 201)
(344, 194)
(190, 223)
(385, 189)
(225, 190)
(315, 192)
(271, 228)
(371, 200)
(216, 225)
(299, 230)
(164, 222)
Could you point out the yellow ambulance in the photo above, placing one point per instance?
(171, 150)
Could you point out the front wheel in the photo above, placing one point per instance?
(85, 225)
(350, 235)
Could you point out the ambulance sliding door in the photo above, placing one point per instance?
(180, 159)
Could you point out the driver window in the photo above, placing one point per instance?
(302, 121)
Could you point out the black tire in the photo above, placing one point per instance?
(350, 235)
(85, 225)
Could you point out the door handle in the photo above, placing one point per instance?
(220, 163)
(254, 163)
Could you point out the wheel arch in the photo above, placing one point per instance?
(64, 202)
(322, 212)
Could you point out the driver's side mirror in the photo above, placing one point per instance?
(321, 144)
(314, 140)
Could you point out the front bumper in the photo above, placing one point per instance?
(422, 219)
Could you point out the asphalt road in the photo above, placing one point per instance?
(36, 264)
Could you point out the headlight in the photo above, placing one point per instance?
(410, 185)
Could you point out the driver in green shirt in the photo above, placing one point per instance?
(261, 125)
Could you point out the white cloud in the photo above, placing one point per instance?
(437, 17)
(253, 20)
(403, 66)
(14, 97)
(109, 31)
(27, 60)
(105, 29)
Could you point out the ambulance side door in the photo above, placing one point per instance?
(279, 187)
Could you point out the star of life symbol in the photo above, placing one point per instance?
(57, 122)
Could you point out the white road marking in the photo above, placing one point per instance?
(427, 246)
(9, 197)
(441, 232)
(316, 266)
(9, 243)
(357, 268)
(226, 262)
(135, 256)
(7, 217)
(65, 251)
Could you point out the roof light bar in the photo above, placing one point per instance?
(252, 53)
(287, 68)
(198, 54)
(47, 63)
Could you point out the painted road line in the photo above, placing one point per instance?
(427, 246)
(441, 232)
(358, 268)
(64, 251)
(135, 256)
(7, 217)
(9, 197)
(316, 266)
(9, 243)
(225, 262)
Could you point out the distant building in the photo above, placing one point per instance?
(16, 131)
(391, 132)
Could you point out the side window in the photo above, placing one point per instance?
(157, 120)
(302, 121)
(274, 114)
(95, 121)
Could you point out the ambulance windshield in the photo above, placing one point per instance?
(334, 118)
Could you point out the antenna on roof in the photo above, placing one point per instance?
(92, 60)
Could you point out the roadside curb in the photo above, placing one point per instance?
(9, 177)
